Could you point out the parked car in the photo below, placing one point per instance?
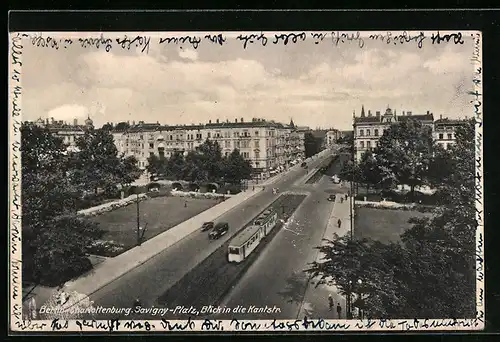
(332, 198)
(218, 230)
(304, 164)
(207, 226)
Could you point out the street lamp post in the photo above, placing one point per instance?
(138, 221)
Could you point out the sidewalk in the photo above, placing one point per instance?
(113, 268)
(315, 303)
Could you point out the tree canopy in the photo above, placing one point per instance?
(54, 238)
(204, 164)
(430, 273)
(404, 153)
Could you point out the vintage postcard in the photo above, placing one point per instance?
(246, 181)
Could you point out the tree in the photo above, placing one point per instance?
(210, 155)
(175, 166)
(236, 168)
(369, 171)
(97, 164)
(357, 267)
(54, 238)
(404, 153)
(431, 272)
(312, 145)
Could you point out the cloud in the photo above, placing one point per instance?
(188, 54)
(314, 88)
(68, 112)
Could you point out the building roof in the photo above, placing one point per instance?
(367, 119)
(240, 239)
(419, 117)
(447, 121)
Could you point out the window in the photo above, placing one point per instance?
(368, 132)
(362, 144)
(376, 132)
(208, 135)
(257, 155)
(256, 142)
(450, 136)
(369, 144)
(361, 132)
(228, 144)
(151, 145)
(440, 136)
(256, 133)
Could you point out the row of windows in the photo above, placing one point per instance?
(368, 132)
(368, 144)
(448, 136)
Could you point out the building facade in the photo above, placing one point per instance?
(331, 137)
(369, 128)
(269, 146)
(444, 131)
(69, 133)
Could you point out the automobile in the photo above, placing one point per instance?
(304, 164)
(218, 230)
(331, 198)
(335, 179)
(207, 226)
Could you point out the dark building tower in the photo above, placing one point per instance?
(292, 125)
(362, 111)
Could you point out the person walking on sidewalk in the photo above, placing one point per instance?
(339, 310)
(339, 222)
(346, 197)
(330, 302)
(341, 199)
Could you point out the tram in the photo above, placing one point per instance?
(249, 238)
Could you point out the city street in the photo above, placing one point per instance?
(148, 281)
(277, 277)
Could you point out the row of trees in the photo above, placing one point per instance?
(54, 182)
(406, 154)
(312, 144)
(202, 165)
(431, 272)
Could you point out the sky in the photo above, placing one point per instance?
(316, 85)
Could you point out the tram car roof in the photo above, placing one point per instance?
(240, 239)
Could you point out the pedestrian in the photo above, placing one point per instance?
(341, 199)
(339, 222)
(253, 188)
(330, 302)
(185, 204)
(339, 310)
(346, 197)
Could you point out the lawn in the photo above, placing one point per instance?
(385, 225)
(157, 214)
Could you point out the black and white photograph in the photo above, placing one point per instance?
(246, 181)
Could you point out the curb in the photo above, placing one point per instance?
(139, 263)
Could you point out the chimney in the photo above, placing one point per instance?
(209, 121)
(227, 120)
(441, 117)
(241, 119)
(236, 120)
(133, 123)
(52, 120)
(408, 113)
(128, 122)
(369, 112)
(47, 121)
(428, 112)
(403, 113)
(217, 121)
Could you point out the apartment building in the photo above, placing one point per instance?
(444, 131)
(268, 145)
(369, 128)
(68, 132)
